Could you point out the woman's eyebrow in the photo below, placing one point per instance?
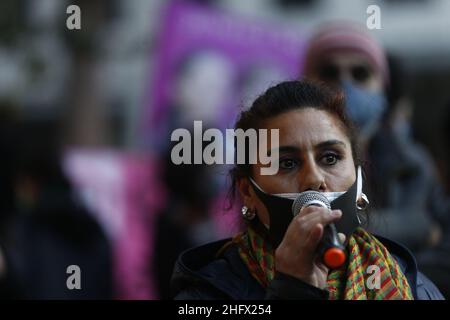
(285, 149)
(321, 145)
(330, 143)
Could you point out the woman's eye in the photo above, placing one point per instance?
(330, 159)
(287, 163)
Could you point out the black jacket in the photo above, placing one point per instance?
(198, 274)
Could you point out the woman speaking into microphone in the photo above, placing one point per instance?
(279, 254)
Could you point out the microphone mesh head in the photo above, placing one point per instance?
(309, 198)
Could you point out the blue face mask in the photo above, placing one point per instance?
(364, 108)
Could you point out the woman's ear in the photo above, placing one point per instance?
(246, 192)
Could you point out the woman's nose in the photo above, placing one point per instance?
(311, 177)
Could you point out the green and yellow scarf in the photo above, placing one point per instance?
(350, 282)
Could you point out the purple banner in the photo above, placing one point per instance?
(209, 63)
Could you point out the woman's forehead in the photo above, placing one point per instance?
(307, 127)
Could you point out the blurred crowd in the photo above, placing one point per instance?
(134, 204)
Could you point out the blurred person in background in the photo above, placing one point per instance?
(48, 228)
(405, 188)
(436, 262)
(409, 170)
(187, 220)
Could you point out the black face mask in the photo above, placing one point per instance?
(351, 202)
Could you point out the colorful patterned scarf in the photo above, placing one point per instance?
(350, 282)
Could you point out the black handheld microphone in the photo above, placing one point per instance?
(330, 249)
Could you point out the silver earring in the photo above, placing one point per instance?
(247, 214)
(362, 204)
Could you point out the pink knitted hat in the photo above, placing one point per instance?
(339, 37)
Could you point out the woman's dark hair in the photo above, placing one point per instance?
(284, 97)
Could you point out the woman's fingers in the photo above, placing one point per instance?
(312, 211)
(323, 217)
(311, 228)
(314, 237)
(296, 255)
